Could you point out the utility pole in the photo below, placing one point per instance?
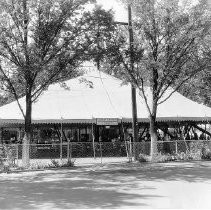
(133, 89)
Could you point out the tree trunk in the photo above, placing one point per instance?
(154, 138)
(153, 127)
(27, 134)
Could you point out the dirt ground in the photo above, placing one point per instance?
(169, 185)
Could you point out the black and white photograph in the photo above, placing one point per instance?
(105, 104)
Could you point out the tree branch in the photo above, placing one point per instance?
(13, 90)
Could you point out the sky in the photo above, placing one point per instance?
(120, 11)
(117, 6)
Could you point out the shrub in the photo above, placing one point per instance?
(143, 158)
(7, 158)
(57, 164)
(197, 152)
(206, 153)
(160, 158)
(37, 165)
(188, 156)
(68, 164)
(196, 146)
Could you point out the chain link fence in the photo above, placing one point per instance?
(76, 150)
(174, 147)
(100, 151)
(8, 154)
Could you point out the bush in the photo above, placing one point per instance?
(184, 156)
(206, 153)
(37, 165)
(57, 164)
(7, 158)
(197, 152)
(143, 158)
(160, 158)
(54, 164)
(68, 164)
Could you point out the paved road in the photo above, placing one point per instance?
(171, 185)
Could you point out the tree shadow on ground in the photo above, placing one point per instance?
(66, 190)
(115, 186)
(190, 172)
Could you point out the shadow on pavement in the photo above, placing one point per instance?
(90, 187)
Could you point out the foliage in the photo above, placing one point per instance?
(168, 50)
(55, 163)
(46, 49)
(7, 158)
(43, 42)
(160, 158)
(197, 150)
(143, 158)
(101, 28)
(65, 164)
(206, 153)
(36, 165)
(198, 88)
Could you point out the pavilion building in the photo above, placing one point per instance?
(98, 106)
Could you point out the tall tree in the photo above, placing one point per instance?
(198, 88)
(167, 51)
(41, 42)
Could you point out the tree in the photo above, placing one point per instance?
(167, 51)
(102, 28)
(41, 42)
(198, 88)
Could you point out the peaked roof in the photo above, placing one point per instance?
(107, 98)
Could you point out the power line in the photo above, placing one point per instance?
(109, 98)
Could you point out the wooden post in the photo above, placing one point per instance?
(68, 151)
(2, 129)
(101, 153)
(130, 151)
(17, 153)
(78, 134)
(133, 89)
(93, 140)
(19, 135)
(61, 140)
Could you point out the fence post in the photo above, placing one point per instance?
(101, 153)
(126, 148)
(68, 150)
(131, 154)
(93, 141)
(69, 153)
(176, 147)
(93, 146)
(60, 151)
(17, 153)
